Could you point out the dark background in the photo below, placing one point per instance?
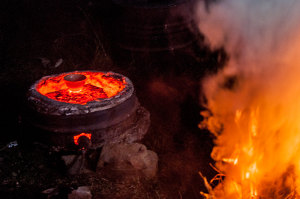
(35, 36)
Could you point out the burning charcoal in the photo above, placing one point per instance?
(70, 88)
(82, 192)
(101, 107)
(136, 155)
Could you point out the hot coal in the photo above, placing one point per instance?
(110, 120)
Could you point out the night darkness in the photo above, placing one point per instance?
(39, 38)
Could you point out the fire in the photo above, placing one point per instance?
(76, 137)
(257, 155)
(97, 86)
(255, 118)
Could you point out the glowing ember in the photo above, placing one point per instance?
(96, 86)
(76, 137)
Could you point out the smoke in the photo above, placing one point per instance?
(255, 99)
(250, 29)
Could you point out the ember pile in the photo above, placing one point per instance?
(93, 86)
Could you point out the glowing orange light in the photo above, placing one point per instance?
(96, 86)
(76, 137)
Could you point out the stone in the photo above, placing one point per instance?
(82, 192)
(68, 159)
(85, 162)
(75, 164)
(151, 164)
(135, 155)
(132, 129)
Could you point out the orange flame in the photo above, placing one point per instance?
(98, 85)
(257, 151)
(76, 137)
(254, 101)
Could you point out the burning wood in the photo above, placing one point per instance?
(254, 118)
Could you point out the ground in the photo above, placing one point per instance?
(48, 37)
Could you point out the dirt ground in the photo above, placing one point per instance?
(40, 38)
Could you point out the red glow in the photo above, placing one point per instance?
(76, 137)
(96, 86)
